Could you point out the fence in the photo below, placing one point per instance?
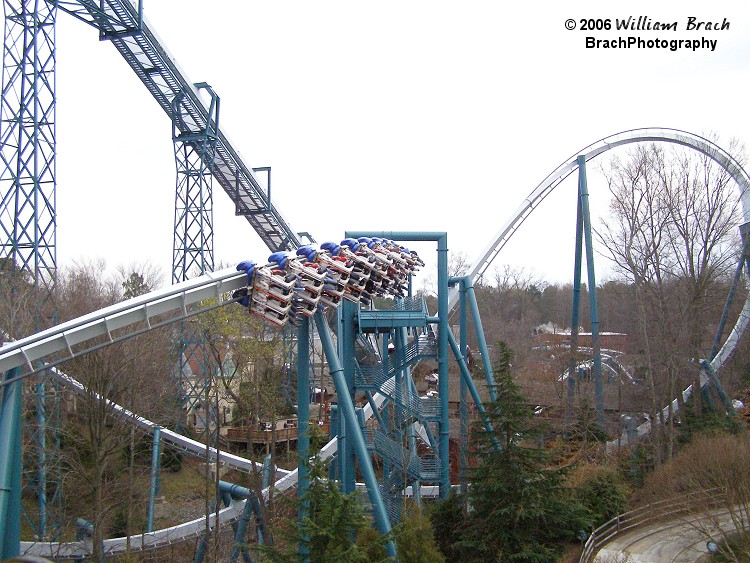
(663, 510)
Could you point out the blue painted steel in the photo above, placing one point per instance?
(200, 550)
(443, 388)
(120, 22)
(347, 335)
(399, 376)
(195, 151)
(718, 387)
(332, 433)
(463, 390)
(442, 340)
(571, 398)
(85, 529)
(153, 490)
(416, 486)
(576, 308)
(267, 170)
(41, 443)
(193, 247)
(744, 260)
(375, 411)
(252, 505)
(727, 307)
(266, 472)
(303, 425)
(471, 387)
(239, 492)
(349, 415)
(28, 201)
(583, 192)
(10, 467)
(481, 341)
(239, 535)
(28, 234)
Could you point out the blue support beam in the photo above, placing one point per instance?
(10, 467)
(463, 460)
(481, 341)
(585, 238)
(466, 376)
(153, 490)
(347, 334)
(583, 193)
(303, 425)
(349, 415)
(441, 238)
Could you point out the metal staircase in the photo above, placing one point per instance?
(389, 374)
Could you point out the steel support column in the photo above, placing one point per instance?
(28, 233)
(153, 490)
(347, 335)
(442, 349)
(193, 254)
(303, 425)
(10, 467)
(349, 416)
(583, 195)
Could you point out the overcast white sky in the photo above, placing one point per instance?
(408, 115)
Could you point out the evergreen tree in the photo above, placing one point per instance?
(334, 529)
(520, 510)
(415, 538)
(449, 522)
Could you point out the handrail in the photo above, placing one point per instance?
(652, 512)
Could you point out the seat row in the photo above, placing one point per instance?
(295, 284)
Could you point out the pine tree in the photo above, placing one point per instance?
(520, 510)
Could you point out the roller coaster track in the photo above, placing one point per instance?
(570, 165)
(117, 323)
(121, 23)
(158, 308)
(555, 178)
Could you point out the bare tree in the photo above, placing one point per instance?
(672, 234)
(249, 355)
(101, 481)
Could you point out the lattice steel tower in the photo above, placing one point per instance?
(28, 250)
(27, 149)
(195, 138)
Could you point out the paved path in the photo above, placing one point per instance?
(678, 541)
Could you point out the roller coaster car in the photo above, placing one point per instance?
(334, 286)
(399, 261)
(247, 266)
(266, 313)
(332, 293)
(330, 298)
(357, 294)
(309, 294)
(271, 302)
(275, 283)
(376, 260)
(338, 264)
(308, 272)
(360, 272)
(304, 307)
(309, 252)
(356, 260)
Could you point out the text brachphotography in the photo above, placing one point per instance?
(641, 43)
